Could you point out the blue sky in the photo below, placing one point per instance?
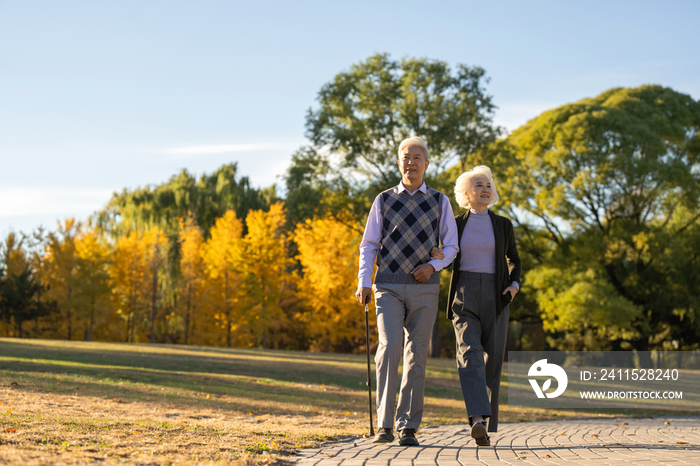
(99, 96)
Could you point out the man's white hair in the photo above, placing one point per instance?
(415, 140)
(464, 183)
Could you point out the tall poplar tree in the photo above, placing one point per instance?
(265, 268)
(192, 270)
(128, 271)
(223, 256)
(92, 277)
(59, 273)
(156, 249)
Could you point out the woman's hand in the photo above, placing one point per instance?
(513, 291)
(436, 254)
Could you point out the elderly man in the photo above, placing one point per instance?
(404, 224)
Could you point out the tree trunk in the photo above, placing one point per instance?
(262, 315)
(187, 314)
(227, 311)
(642, 347)
(133, 317)
(70, 314)
(19, 329)
(154, 292)
(92, 319)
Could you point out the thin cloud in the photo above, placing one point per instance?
(211, 149)
(19, 201)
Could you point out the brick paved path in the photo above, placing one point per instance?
(674, 441)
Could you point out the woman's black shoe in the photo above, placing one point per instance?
(479, 434)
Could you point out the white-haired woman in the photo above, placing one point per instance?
(485, 278)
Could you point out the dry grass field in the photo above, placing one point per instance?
(68, 402)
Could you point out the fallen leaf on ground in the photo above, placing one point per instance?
(14, 429)
(682, 443)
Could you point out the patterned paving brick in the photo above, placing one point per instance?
(650, 441)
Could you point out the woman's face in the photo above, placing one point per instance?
(480, 193)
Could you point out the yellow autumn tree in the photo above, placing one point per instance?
(223, 254)
(58, 273)
(128, 271)
(155, 245)
(92, 279)
(265, 267)
(13, 258)
(329, 255)
(13, 262)
(192, 271)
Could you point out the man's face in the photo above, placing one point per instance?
(413, 164)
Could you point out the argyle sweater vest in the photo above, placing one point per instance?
(409, 231)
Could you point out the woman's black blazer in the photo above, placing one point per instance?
(506, 271)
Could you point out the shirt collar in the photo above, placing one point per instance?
(422, 188)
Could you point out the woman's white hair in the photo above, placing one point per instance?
(415, 140)
(464, 183)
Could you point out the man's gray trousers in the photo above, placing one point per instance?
(412, 308)
(481, 343)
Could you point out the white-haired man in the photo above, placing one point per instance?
(404, 224)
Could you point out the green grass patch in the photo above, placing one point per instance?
(77, 402)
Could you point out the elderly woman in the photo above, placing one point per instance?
(483, 283)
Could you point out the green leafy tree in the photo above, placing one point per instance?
(20, 299)
(20, 293)
(365, 113)
(183, 196)
(613, 184)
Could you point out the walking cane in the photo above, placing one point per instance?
(369, 369)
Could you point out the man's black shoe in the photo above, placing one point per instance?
(408, 438)
(384, 435)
